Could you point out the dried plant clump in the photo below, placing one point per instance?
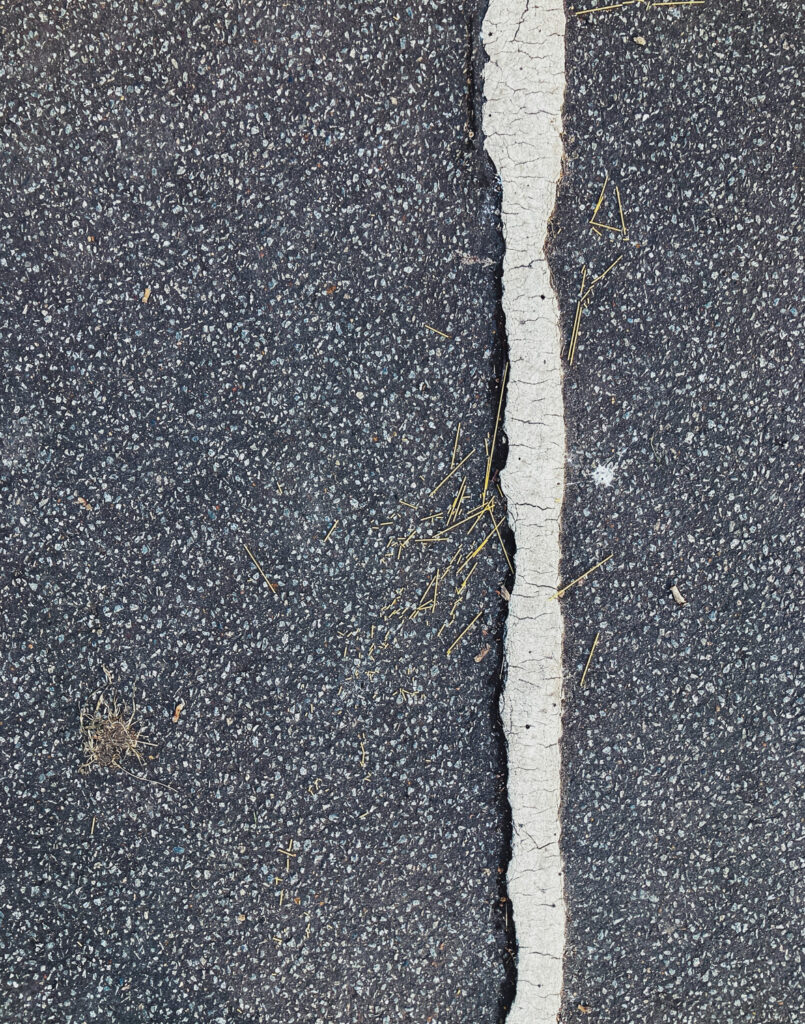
(108, 734)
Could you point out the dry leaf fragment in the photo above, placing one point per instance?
(676, 595)
(84, 503)
(177, 712)
(483, 652)
(146, 295)
(584, 1008)
(504, 593)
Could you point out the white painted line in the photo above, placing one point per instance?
(524, 88)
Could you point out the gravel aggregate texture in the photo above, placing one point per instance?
(225, 227)
(683, 750)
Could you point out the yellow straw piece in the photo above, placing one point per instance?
(589, 659)
(609, 227)
(462, 494)
(463, 633)
(466, 579)
(458, 466)
(603, 188)
(455, 445)
(609, 7)
(601, 277)
(495, 435)
(482, 545)
(620, 211)
(461, 522)
(574, 335)
(271, 586)
(502, 545)
(563, 590)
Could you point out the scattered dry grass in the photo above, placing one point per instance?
(108, 734)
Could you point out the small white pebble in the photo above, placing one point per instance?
(676, 595)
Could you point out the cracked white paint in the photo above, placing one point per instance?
(524, 82)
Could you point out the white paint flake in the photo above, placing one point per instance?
(524, 88)
(603, 475)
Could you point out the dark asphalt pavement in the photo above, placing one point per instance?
(683, 756)
(224, 228)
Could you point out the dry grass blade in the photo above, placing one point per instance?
(437, 331)
(608, 7)
(455, 445)
(603, 188)
(563, 590)
(482, 545)
(645, 3)
(600, 277)
(574, 335)
(455, 469)
(500, 538)
(620, 213)
(491, 454)
(463, 633)
(473, 517)
(271, 586)
(589, 659)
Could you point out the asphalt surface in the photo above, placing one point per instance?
(683, 751)
(224, 228)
